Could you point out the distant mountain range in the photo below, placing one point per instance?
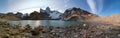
(75, 14)
(37, 15)
(48, 14)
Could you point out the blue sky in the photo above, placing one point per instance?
(99, 7)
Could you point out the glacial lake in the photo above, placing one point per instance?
(55, 23)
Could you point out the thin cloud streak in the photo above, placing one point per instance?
(92, 5)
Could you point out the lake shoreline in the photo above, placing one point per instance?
(55, 23)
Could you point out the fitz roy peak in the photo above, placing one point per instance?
(52, 14)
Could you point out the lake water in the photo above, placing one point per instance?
(56, 23)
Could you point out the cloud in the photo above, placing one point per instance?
(92, 5)
(99, 6)
(65, 1)
(96, 6)
(16, 5)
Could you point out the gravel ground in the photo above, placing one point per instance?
(86, 30)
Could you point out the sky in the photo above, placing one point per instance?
(99, 7)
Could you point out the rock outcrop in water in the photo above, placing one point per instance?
(76, 14)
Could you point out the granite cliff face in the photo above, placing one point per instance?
(50, 14)
(76, 14)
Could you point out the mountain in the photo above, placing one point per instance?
(52, 14)
(46, 14)
(69, 14)
(77, 14)
(9, 16)
(55, 15)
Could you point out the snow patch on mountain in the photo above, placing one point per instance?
(55, 15)
(52, 14)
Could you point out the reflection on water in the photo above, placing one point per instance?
(37, 23)
(55, 23)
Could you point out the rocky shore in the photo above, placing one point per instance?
(75, 31)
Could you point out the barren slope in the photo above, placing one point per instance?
(9, 17)
(112, 19)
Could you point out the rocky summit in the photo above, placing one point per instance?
(51, 14)
(77, 14)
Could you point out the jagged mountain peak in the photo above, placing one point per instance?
(77, 13)
(48, 8)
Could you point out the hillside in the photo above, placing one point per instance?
(6, 17)
(112, 19)
(77, 14)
